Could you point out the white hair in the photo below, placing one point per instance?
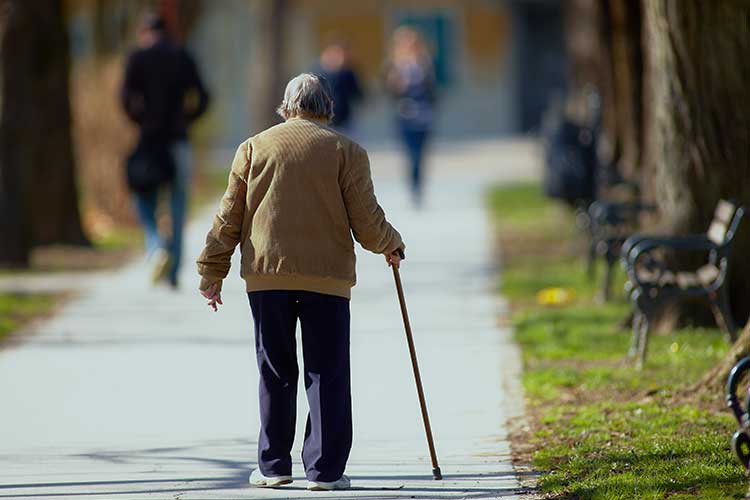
(308, 95)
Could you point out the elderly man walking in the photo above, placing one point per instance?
(297, 192)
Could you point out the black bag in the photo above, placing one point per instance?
(571, 164)
(149, 166)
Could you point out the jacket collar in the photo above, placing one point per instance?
(319, 121)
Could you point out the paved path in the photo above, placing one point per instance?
(132, 392)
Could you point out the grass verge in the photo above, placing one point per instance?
(18, 309)
(597, 428)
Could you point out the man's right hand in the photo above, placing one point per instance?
(393, 259)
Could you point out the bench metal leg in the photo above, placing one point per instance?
(609, 273)
(591, 261)
(719, 302)
(641, 326)
(642, 343)
(637, 321)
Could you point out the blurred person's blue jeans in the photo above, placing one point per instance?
(414, 140)
(146, 205)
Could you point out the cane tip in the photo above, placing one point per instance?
(436, 474)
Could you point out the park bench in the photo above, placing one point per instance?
(741, 438)
(610, 224)
(652, 281)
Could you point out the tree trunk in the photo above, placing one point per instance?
(276, 26)
(698, 118)
(586, 42)
(36, 124)
(714, 381)
(627, 81)
(55, 213)
(268, 69)
(15, 236)
(603, 46)
(583, 45)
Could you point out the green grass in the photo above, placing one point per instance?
(120, 238)
(524, 207)
(520, 204)
(601, 429)
(17, 309)
(519, 281)
(629, 450)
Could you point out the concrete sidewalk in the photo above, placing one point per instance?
(132, 392)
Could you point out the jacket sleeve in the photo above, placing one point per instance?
(131, 93)
(366, 217)
(215, 259)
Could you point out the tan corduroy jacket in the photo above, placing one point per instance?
(296, 193)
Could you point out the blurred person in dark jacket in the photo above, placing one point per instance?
(163, 93)
(335, 67)
(410, 78)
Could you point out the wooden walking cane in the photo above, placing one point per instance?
(436, 474)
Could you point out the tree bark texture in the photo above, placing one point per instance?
(586, 46)
(583, 44)
(714, 381)
(268, 70)
(697, 118)
(276, 35)
(627, 81)
(15, 234)
(603, 46)
(36, 123)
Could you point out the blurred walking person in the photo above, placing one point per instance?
(163, 93)
(410, 78)
(346, 91)
(297, 193)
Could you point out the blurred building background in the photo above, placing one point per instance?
(497, 61)
(498, 65)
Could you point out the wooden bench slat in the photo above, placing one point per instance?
(703, 277)
(686, 280)
(708, 274)
(717, 231)
(724, 211)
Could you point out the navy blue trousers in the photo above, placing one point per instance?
(325, 349)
